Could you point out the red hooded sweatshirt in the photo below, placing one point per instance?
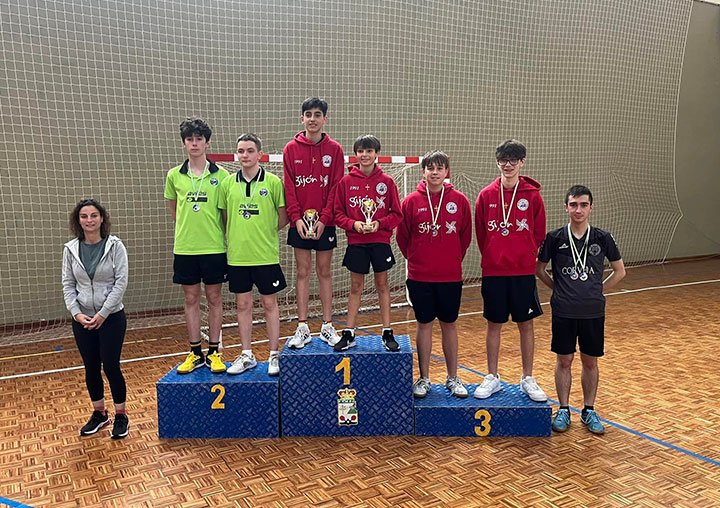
(516, 252)
(349, 195)
(435, 257)
(311, 171)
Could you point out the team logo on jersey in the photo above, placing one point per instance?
(594, 249)
(523, 205)
(450, 227)
(451, 207)
(327, 160)
(263, 192)
(381, 188)
(214, 182)
(521, 225)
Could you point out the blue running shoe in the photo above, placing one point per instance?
(592, 421)
(561, 421)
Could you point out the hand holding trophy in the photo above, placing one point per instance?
(369, 207)
(311, 218)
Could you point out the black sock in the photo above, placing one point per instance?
(196, 348)
(586, 409)
(213, 348)
(565, 407)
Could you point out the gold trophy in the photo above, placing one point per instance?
(311, 217)
(369, 207)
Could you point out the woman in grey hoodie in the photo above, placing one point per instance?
(94, 278)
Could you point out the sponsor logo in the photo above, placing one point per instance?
(523, 205)
(530, 311)
(356, 201)
(451, 207)
(522, 225)
(380, 200)
(389, 259)
(263, 193)
(302, 181)
(331, 238)
(324, 181)
(327, 160)
(567, 270)
(594, 249)
(450, 227)
(381, 188)
(564, 246)
(492, 225)
(214, 182)
(424, 227)
(276, 283)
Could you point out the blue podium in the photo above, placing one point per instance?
(506, 413)
(364, 391)
(206, 405)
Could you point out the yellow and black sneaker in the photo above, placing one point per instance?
(191, 363)
(215, 363)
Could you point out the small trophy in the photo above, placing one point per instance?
(311, 218)
(369, 207)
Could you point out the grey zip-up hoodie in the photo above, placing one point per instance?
(103, 293)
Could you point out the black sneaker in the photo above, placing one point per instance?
(121, 427)
(96, 422)
(389, 341)
(347, 340)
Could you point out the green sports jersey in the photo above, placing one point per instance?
(252, 225)
(198, 222)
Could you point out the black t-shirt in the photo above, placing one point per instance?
(579, 299)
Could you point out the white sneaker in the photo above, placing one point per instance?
(456, 387)
(242, 363)
(302, 337)
(329, 335)
(274, 365)
(421, 388)
(529, 387)
(490, 385)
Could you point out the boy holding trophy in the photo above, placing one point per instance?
(367, 207)
(313, 164)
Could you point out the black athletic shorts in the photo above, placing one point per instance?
(432, 300)
(189, 270)
(327, 241)
(588, 333)
(269, 279)
(358, 257)
(514, 295)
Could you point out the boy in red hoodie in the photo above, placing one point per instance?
(434, 236)
(313, 164)
(509, 228)
(367, 207)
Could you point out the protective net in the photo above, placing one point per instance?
(92, 94)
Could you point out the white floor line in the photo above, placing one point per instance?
(464, 314)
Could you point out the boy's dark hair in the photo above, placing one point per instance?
(510, 149)
(250, 137)
(436, 157)
(75, 227)
(366, 141)
(191, 126)
(314, 102)
(578, 190)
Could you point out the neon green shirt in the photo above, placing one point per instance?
(198, 222)
(252, 226)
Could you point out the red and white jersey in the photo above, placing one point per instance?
(435, 250)
(356, 187)
(512, 248)
(311, 171)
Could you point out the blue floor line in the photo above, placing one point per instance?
(13, 504)
(611, 423)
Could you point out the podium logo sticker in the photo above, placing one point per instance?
(347, 407)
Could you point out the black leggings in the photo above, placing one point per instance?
(102, 348)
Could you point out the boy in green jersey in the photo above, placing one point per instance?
(253, 207)
(192, 191)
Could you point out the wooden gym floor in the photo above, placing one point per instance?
(658, 392)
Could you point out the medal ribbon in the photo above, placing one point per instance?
(506, 217)
(583, 250)
(435, 216)
(192, 179)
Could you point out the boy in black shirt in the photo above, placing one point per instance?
(578, 252)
